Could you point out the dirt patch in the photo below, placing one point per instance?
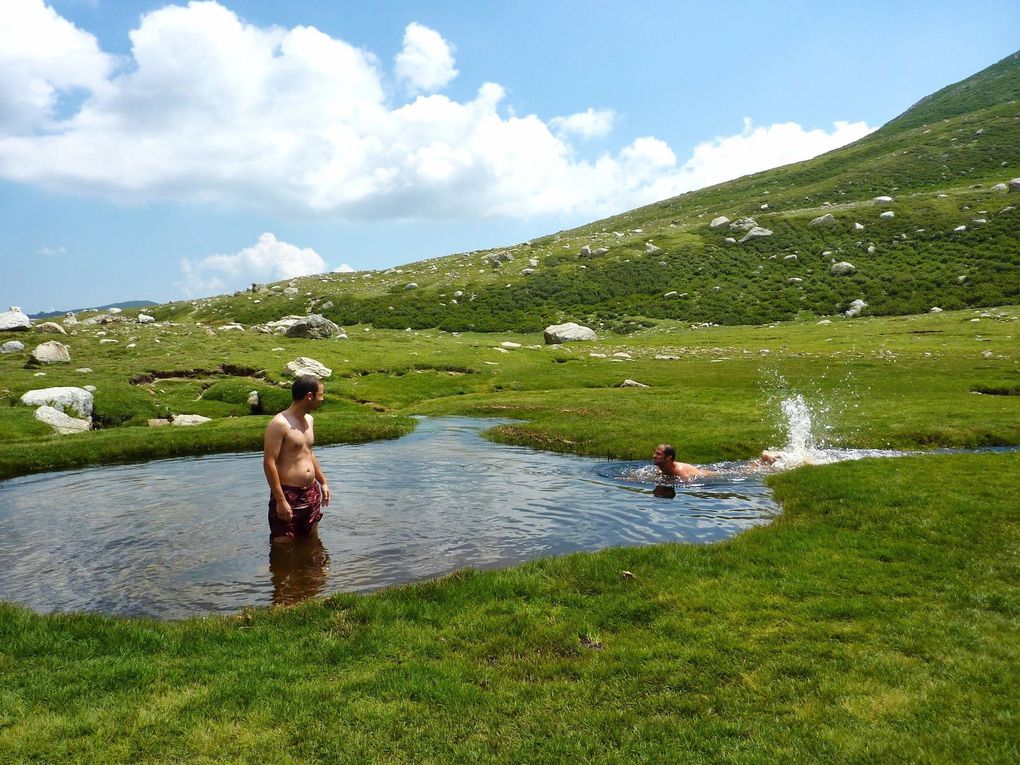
(233, 370)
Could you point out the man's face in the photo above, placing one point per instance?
(316, 398)
(659, 458)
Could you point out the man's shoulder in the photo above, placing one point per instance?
(278, 422)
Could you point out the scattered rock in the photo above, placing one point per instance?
(411, 286)
(564, 333)
(730, 240)
(326, 306)
(843, 268)
(935, 309)
(254, 402)
(67, 399)
(743, 224)
(70, 319)
(671, 295)
(855, 308)
(962, 279)
(790, 257)
(651, 249)
(883, 200)
(158, 422)
(51, 352)
(60, 422)
(722, 220)
(1000, 187)
(187, 420)
(871, 249)
(303, 365)
(315, 327)
(585, 252)
(823, 322)
(666, 357)
(12, 346)
(1014, 185)
(622, 355)
(887, 215)
(858, 227)
(290, 291)
(631, 384)
(51, 327)
(959, 229)
(755, 233)
(14, 320)
(144, 318)
(824, 220)
(508, 344)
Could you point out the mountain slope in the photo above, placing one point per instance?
(941, 161)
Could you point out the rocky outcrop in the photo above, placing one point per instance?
(303, 365)
(50, 352)
(51, 327)
(827, 220)
(855, 308)
(187, 420)
(743, 224)
(144, 318)
(569, 332)
(14, 320)
(722, 220)
(68, 399)
(315, 327)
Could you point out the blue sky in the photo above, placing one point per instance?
(151, 150)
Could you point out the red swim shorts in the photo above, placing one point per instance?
(306, 502)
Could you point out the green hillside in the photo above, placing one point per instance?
(940, 161)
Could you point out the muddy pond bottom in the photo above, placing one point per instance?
(183, 537)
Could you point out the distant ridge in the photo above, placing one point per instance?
(125, 304)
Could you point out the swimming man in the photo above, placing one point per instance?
(665, 459)
(298, 489)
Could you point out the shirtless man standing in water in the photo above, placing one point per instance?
(298, 489)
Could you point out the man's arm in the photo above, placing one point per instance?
(315, 462)
(271, 451)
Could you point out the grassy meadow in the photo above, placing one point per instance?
(875, 620)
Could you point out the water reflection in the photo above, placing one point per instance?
(299, 569)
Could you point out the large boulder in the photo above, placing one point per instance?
(12, 346)
(824, 220)
(51, 327)
(303, 365)
(67, 399)
(756, 233)
(843, 268)
(50, 352)
(315, 327)
(144, 318)
(722, 220)
(60, 422)
(565, 333)
(70, 319)
(14, 320)
(1014, 185)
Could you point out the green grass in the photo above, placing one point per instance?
(876, 620)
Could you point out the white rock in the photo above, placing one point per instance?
(883, 200)
(52, 327)
(756, 233)
(631, 384)
(743, 224)
(508, 344)
(855, 308)
(730, 240)
(187, 420)
(871, 249)
(651, 249)
(107, 340)
(70, 319)
(858, 227)
(50, 352)
(621, 355)
(60, 422)
(12, 346)
(568, 332)
(1000, 187)
(825, 321)
(303, 365)
(722, 220)
(411, 286)
(1014, 185)
(671, 295)
(70, 399)
(887, 215)
(843, 268)
(144, 318)
(959, 229)
(824, 220)
(114, 310)
(790, 257)
(935, 309)
(14, 320)
(597, 355)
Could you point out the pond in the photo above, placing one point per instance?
(183, 537)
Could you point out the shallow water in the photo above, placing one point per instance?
(182, 537)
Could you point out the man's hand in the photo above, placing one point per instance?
(284, 511)
(325, 493)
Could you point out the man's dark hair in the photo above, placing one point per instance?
(304, 385)
(669, 451)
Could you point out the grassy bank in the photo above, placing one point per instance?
(876, 620)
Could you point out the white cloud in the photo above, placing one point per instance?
(762, 147)
(47, 251)
(212, 109)
(343, 268)
(593, 123)
(41, 55)
(426, 61)
(268, 260)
